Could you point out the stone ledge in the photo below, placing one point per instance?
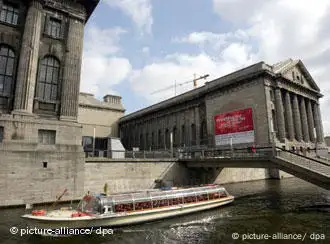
(130, 160)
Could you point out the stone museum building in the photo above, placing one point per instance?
(99, 120)
(283, 98)
(41, 44)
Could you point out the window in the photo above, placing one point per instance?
(87, 143)
(48, 79)
(7, 59)
(1, 133)
(160, 139)
(175, 139)
(47, 137)
(167, 139)
(193, 135)
(53, 28)
(183, 137)
(9, 13)
(153, 140)
(203, 133)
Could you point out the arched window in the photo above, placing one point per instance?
(48, 79)
(7, 60)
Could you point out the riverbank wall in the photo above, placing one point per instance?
(37, 180)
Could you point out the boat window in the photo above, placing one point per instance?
(124, 207)
(90, 204)
(223, 194)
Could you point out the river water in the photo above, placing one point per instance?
(285, 209)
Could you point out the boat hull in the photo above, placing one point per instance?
(122, 219)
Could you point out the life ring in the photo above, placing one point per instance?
(39, 212)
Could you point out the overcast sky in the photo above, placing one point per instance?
(135, 47)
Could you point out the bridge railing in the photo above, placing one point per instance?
(246, 153)
(120, 154)
(311, 164)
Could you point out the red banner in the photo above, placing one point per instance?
(233, 122)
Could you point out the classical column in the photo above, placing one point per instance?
(297, 120)
(310, 118)
(72, 68)
(304, 120)
(28, 60)
(318, 123)
(288, 113)
(280, 114)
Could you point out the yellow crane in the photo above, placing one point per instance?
(181, 84)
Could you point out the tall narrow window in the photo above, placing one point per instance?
(183, 136)
(160, 139)
(7, 60)
(48, 80)
(193, 134)
(152, 140)
(175, 139)
(1, 133)
(54, 28)
(203, 133)
(9, 13)
(167, 139)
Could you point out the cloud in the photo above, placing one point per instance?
(270, 31)
(101, 67)
(281, 29)
(216, 41)
(179, 68)
(140, 11)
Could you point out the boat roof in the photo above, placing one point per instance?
(161, 193)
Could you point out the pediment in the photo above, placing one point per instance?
(297, 73)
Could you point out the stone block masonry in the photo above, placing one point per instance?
(40, 176)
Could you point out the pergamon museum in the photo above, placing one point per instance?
(144, 121)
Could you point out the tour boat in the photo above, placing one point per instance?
(130, 208)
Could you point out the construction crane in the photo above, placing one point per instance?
(181, 84)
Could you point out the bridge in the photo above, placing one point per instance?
(313, 170)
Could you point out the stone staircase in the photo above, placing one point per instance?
(310, 169)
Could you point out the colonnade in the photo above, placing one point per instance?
(297, 116)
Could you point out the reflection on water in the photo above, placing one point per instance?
(286, 206)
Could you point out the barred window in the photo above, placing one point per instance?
(48, 80)
(9, 13)
(47, 137)
(54, 28)
(7, 59)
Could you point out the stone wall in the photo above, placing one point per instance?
(251, 94)
(141, 174)
(24, 177)
(105, 121)
(132, 175)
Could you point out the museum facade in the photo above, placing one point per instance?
(256, 105)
